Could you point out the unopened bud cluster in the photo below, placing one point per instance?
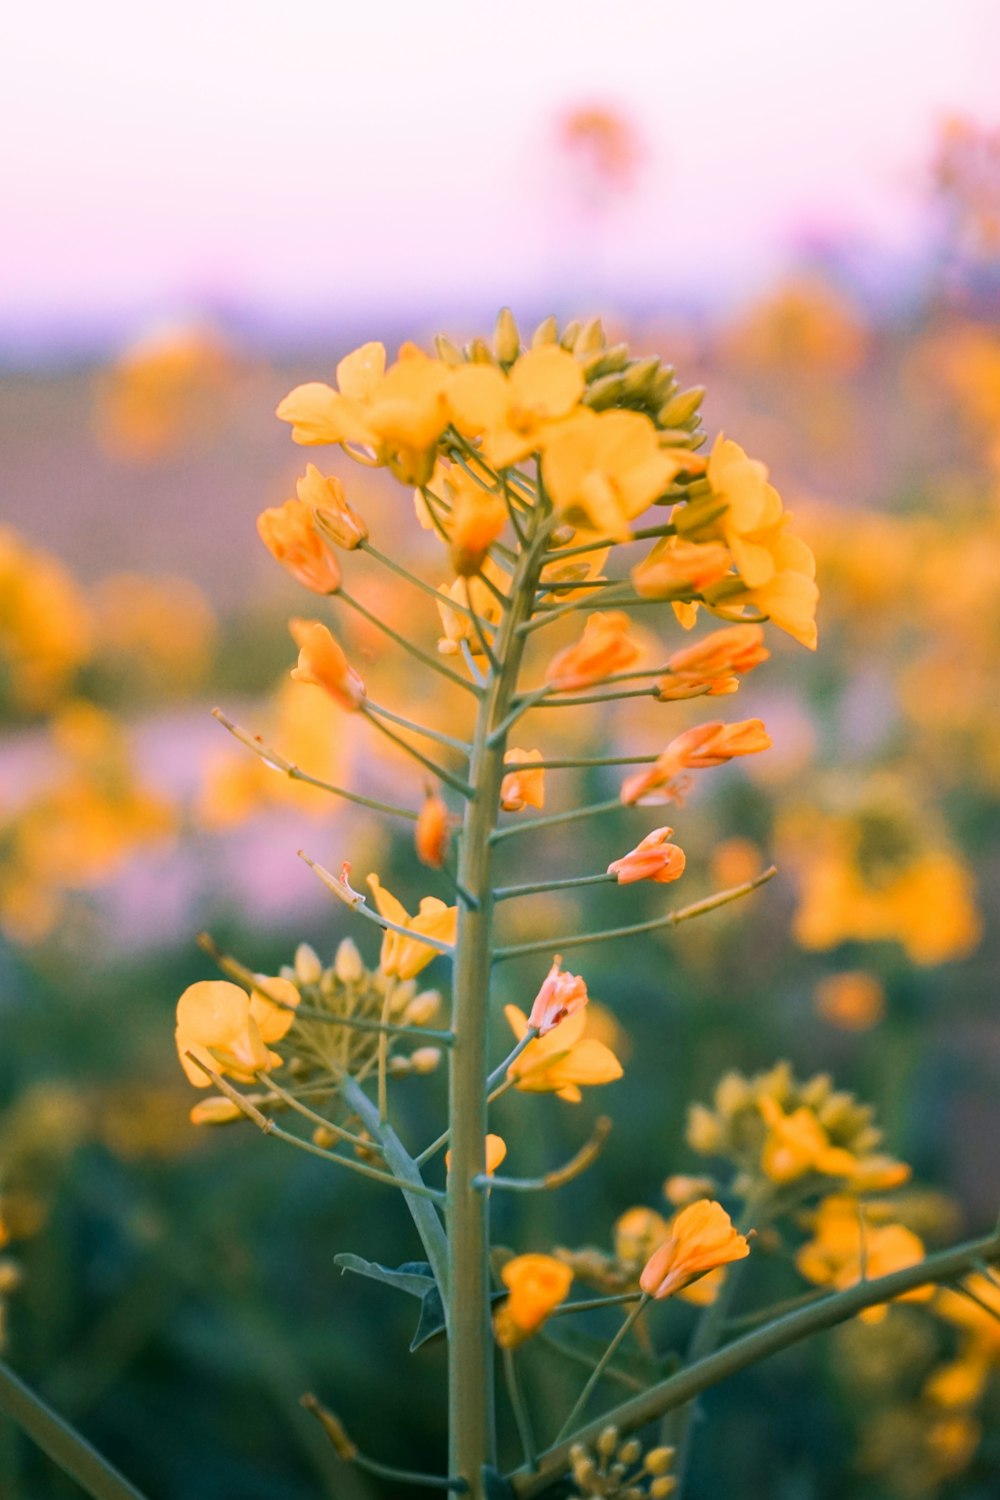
(616, 1468)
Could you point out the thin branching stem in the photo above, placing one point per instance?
(431, 734)
(295, 773)
(424, 657)
(294, 1103)
(557, 1178)
(581, 1402)
(506, 892)
(671, 919)
(441, 772)
(519, 1407)
(420, 583)
(554, 820)
(357, 903)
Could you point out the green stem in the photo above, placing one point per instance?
(519, 1407)
(470, 1352)
(529, 825)
(455, 782)
(677, 1390)
(424, 657)
(506, 892)
(295, 773)
(61, 1443)
(310, 1114)
(430, 734)
(598, 1370)
(671, 919)
(557, 1178)
(419, 583)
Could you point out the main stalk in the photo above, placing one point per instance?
(471, 1412)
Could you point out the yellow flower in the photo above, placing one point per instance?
(537, 1285)
(433, 831)
(675, 566)
(699, 748)
(854, 1001)
(469, 593)
(797, 1144)
(702, 1237)
(603, 648)
(289, 533)
(523, 787)
(405, 956)
(753, 507)
(843, 1250)
(653, 858)
(325, 494)
(399, 413)
(223, 1026)
(714, 665)
(603, 469)
(514, 413)
(562, 1061)
(789, 597)
(322, 663)
(496, 1152)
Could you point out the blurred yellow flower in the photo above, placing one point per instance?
(289, 533)
(322, 664)
(854, 1000)
(701, 747)
(522, 787)
(714, 664)
(335, 518)
(845, 1249)
(604, 647)
(537, 1285)
(433, 831)
(797, 1145)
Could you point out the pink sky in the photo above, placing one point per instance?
(322, 156)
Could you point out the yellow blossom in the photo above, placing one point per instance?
(513, 413)
(219, 1024)
(604, 648)
(289, 533)
(653, 858)
(433, 831)
(523, 786)
(797, 1144)
(561, 1062)
(404, 956)
(603, 469)
(844, 1249)
(466, 594)
(336, 519)
(701, 747)
(322, 664)
(537, 1285)
(714, 664)
(702, 1237)
(561, 995)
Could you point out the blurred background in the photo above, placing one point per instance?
(799, 207)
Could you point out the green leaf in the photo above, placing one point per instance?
(431, 1322)
(414, 1276)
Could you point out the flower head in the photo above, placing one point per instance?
(714, 664)
(561, 995)
(403, 954)
(523, 786)
(514, 413)
(219, 1024)
(322, 663)
(797, 1144)
(654, 858)
(537, 1284)
(289, 533)
(702, 1237)
(845, 1249)
(603, 648)
(561, 1062)
(678, 567)
(603, 469)
(698, 748)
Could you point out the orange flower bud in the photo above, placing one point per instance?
(715, 664)
(334, 516)
(697, 749)
(537, 1283)
(524, 787)
(322, 663)
(290, 535)
(652, 859)
(433, 831)
(477, 519)
(561, 995)
(603, 648)
(702, 1237)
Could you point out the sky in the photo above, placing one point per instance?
(309, 161)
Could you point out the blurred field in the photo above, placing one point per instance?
(172, 1291)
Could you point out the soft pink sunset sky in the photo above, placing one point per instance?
(321, 157)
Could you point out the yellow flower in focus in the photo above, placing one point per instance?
(404, 956)
(653, 858)
(753, 507)
(603, 469)
(322, 664)
(289, 533)
(513, 413)
(604, 648)
(522, 787)
(702, 1237)
(561, 1062)
(221, 1025)
(844, 1249)
(561, 995)
(537, 1285)
(675, 566)
(790, 595)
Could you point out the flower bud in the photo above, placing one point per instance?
(658, 1460)
(422, 1008)
(681, 408)
(630, 1452)
(347, 964)
(506, 338)
(547, 332)
(607, 1442)
(308, 969)
(425, 1059)
(399, 1067)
